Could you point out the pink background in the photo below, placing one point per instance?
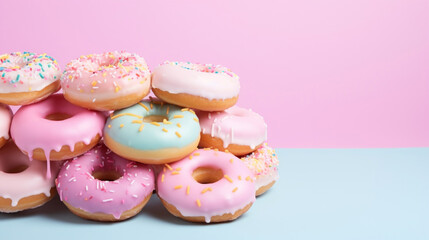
(333, 73)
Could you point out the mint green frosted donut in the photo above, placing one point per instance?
(129, 134)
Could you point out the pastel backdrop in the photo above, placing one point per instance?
(334, 73)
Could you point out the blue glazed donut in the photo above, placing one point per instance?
(152, 132)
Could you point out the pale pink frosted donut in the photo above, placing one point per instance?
(225, 188)
(78, 187)
(236, 129)
(107, 81)
(33, 131)
(5, 119)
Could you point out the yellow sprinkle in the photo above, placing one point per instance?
(196, 154)
(141, 104)
(206, 149)
(162, 178)
(125, 114)
(178, 169)
(94, 83)
(206, 189)
(81, 90)
(104, 74)
(168, 166)
(187, 190)
(198, 203)
(92, 91)
(137, 121)
(156, 124)
(190, 157)
(163, 169)
(178, 187)
(109, 126)
(190, 110)
(196, 119)
(239, 177)
(121, 126)
(178, 116)
(165, 130)
(151, 106)
(141, 82)
(184, 109)
(235, 189)
(117, 89)
(175, 173)
(168, 109)
(29, 89)
(70, 77)
(179, 125)
(165, 121)
(247, 178)
(216, 149)
(231, 160)
(178, 134)
(141, 127)
(226, 150)
(228, 178)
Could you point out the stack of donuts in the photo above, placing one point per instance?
(105, 147)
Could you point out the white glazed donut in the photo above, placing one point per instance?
(201, 86)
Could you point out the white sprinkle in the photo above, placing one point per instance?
(108, 200)
(86, 188)
(135, 196)
(132, 182)
(72, 179)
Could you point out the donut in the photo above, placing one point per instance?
(207, 186)
(200, 86)
(263, 162)
(237, 130)
(55, 129)
(27, 77)
(107, 81)
(5, 119)
(24, 184)
(102, 186)
(152, 132)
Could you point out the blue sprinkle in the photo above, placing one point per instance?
(41, 75)
(16, 79)
(1, 68)
(4, 74)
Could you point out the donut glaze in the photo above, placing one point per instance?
(31, 130)
(77, 186)
(129, 135)
(235, 125)
(104, 77)
(5, 119)
(26, 72)
(263, 162)
(235, 190)
(29, 182)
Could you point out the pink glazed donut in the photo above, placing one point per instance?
(5, 119)
(108, 81)
(237, 130)
(102, 186)
(208, 186)
(55, 129)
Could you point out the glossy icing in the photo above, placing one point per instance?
(5, 119)
(204, 80)
(263, 162)
(100, 77)
(126, 126)
(26, 72)
(233, 192)
(235, 125)
(31, 181)
(30, 129)
(77, 186)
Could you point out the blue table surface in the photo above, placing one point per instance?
(322, 194)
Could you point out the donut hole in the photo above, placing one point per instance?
(154, 118)
(207, 175)
(106, 175)
(58, 116)
(14, 168)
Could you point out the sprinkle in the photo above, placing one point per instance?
(175, 173)
(178, 124)
(168, 109)
(94, 83)
(196, 119)
(141, 127)
(108, 200)
(165, 130)
(135, 196)
(247, 178)
(198, 203)
(206, 189)
(162, 177)
(117, 88)
(178, 116)
(178, 187)
(151, 106)
(165, 121)
(184, 109)
(239, 177)
(178, 169)
(190, 110)
(121, 126)
(231, 160)
(190, 157)
(109, 126)
(196, 154)
(137, 121)
(41, 75)
(125, 114)
(187, 190)
(141, 104)
(178, 134)
(228, 178)
(168, 166)
(235, 189)
(156, 124)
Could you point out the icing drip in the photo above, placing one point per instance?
(5, 119)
